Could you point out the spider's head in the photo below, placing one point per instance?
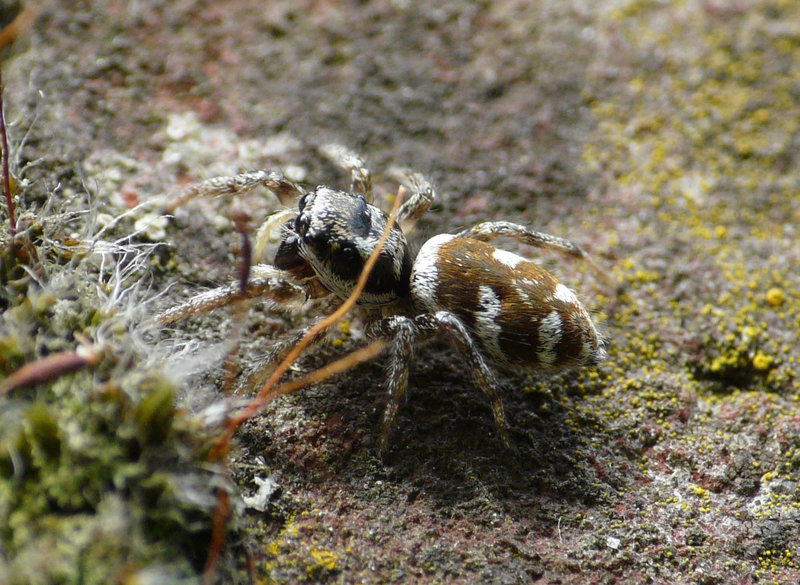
(335, 232)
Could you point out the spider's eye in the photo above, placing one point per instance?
(348, 255)
(301, 224)
(302, 203)
(342, 261)
(288, 255)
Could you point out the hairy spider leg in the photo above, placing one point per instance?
(268, 282)
(285, 190)
(403, 333)
(490, 230)
(421, 198)
(347, 160)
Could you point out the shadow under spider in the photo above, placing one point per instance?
(444, 442)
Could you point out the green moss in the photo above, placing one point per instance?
(100, 473)
(155, 414)
(69, 462)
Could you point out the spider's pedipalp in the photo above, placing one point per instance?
(422, 196)
(269, 235)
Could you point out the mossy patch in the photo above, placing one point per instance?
(103, 477)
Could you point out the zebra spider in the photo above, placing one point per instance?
(494, 306)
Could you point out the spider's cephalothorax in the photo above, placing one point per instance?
(494, 306)
(335, 232)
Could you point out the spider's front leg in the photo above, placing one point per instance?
(490, 230)
(404, 331)
(285, 190)
(266, 282)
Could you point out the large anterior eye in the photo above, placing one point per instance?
(302, 203)
(288, 255)
(343, 261)
(301, 224)
(348, 255)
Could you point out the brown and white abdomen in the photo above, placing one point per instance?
(521, 315)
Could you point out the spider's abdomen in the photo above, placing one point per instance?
(520, 314)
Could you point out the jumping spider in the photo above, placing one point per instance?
(494, 306)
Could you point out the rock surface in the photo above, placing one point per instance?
(663, 138)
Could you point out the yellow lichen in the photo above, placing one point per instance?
(324, 562)
(775, 296)
(762, 361)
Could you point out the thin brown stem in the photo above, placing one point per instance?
(268, 391)
(240, 307)
(217, 536)
(262, 398)
(48, 368)
(344, 364)
(12, 221)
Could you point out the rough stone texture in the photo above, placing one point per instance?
(661, 137)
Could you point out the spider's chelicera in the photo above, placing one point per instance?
(495, 307)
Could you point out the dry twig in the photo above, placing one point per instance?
(269, 391)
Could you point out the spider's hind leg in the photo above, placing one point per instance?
(404, 332)
(464, 343)
(490, 230)
(348, 160)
